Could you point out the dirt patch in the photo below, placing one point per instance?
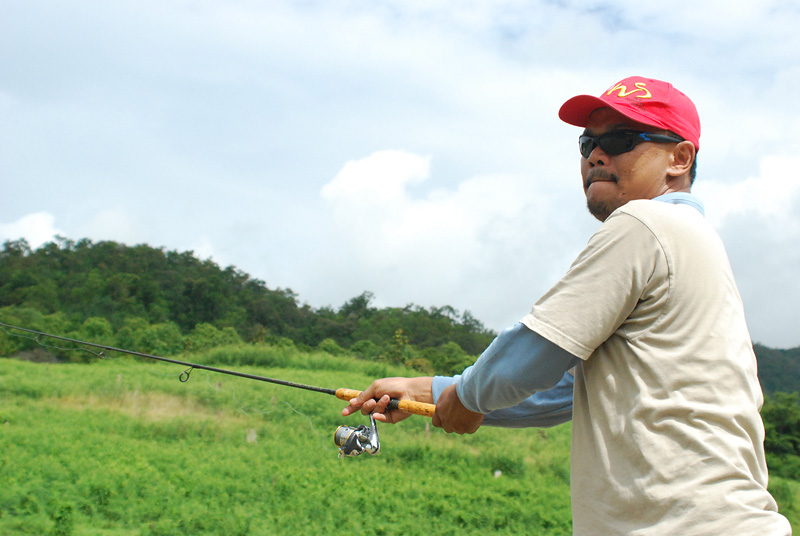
(37, 355)
(150, 406)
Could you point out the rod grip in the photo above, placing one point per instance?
(407, 406)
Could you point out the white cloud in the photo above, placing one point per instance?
(374, 207)
(380, 179)
(37, 229)
(773, 195)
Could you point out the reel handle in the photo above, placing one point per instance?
(407, 406)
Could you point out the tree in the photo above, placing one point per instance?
(97, 330)
(358, 307)
(781, 415)
(448, 359)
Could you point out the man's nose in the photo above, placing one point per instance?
(597, 157)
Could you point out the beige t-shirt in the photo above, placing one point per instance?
(667, 437)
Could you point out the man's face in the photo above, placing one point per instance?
(610, 181)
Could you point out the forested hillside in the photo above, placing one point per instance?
(158, 301)
(779, 370)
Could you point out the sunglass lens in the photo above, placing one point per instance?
(586, 144)
(625, 141)
(613, 143)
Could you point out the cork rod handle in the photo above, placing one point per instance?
(406, 406)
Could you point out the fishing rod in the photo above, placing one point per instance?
(351, 441)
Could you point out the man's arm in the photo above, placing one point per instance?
(542, 409)
(517, 364)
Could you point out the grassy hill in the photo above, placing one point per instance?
(122, 447)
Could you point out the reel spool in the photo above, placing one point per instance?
(354, 441)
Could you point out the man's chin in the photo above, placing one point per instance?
(599, 209)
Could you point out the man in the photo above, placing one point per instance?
(643, 343)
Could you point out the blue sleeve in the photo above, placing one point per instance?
(520, 380)
(542, 409)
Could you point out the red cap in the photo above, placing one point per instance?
(645, 100)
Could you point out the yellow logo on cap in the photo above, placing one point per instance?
(623, 91)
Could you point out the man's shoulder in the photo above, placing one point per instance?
(674, 226)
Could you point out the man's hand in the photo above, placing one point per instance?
(375, 398)
(453, 416)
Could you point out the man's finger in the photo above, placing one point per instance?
(365, 395)
(436, 420)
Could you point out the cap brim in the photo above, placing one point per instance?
(576, 111)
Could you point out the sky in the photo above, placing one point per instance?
(411, 148)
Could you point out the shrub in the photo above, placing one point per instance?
(365, 349)
(330, 346)
(205, 336)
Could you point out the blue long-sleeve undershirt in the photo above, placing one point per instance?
(521, 380)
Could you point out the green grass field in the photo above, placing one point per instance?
(122, 447)
(118, 447)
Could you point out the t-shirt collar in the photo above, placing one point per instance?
(682, 198)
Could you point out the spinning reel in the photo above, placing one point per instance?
(354, 441)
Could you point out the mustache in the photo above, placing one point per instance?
(599, 175)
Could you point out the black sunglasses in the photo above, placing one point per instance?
(620, 141)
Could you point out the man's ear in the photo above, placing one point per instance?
(681, 159)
